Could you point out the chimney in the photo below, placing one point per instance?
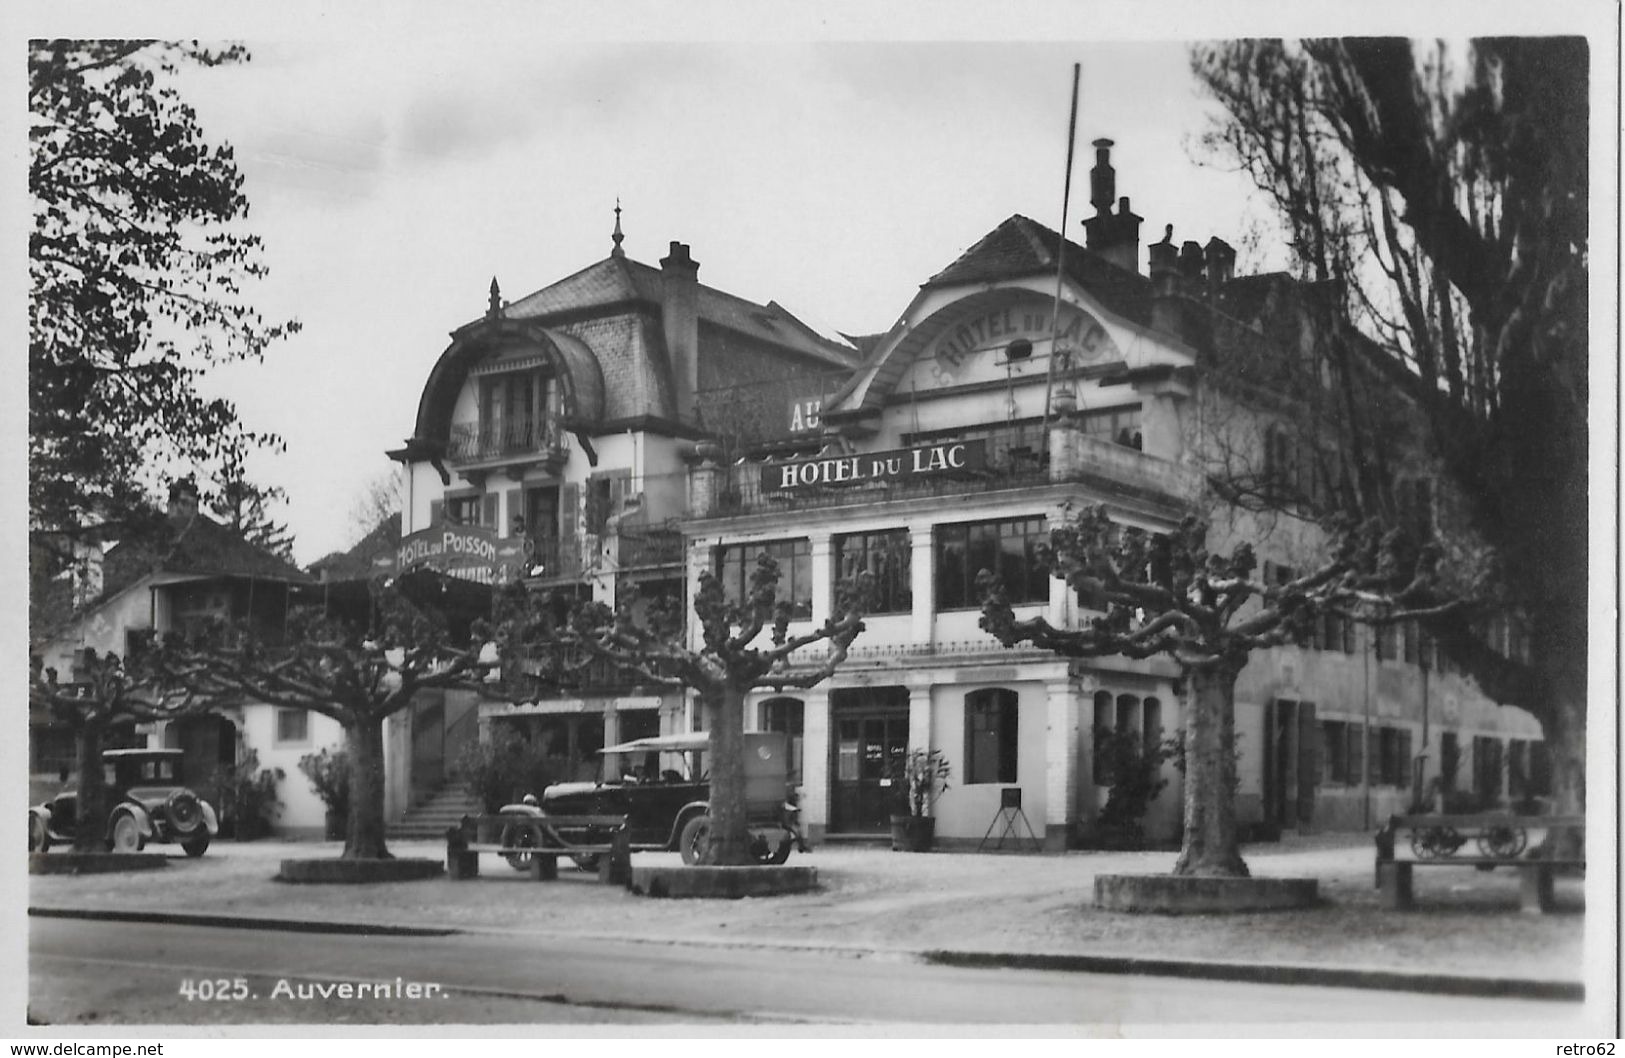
(183, 498)
(1114, 236)
(87, 573)
(1164, 266)
(1191, 262)
(680, 318)
(1221, 262)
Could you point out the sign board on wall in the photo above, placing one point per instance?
(898, 464)
(804, 414)
(467, 552)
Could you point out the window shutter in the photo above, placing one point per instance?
(1308, 761)
(488, 510)
(569, 512)
(1373, 756)
(514, 510)
(436, 512)
(1356, 744)
(620, 489)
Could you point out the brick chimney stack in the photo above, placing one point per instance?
(183, 500)
(1114, 236)
(680, 318)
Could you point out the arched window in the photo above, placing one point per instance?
(1105, 717)
(990, 735)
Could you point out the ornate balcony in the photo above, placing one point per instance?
(515, 444)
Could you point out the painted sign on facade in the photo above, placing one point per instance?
(467, 552)
(897, 464)
(804, 414)
(1077, 333)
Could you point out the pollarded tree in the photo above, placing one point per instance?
(1166, 594)
(725, 668)
(358, 673)
(137, 268)
(105, 694)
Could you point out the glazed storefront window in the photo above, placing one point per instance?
(886, 556)
(735, 563)
(1007, 548)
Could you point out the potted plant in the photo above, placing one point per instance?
(918, 779)
(329, 775)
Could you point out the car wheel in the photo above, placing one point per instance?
(781, 851)
(39, 838)
(127, 834)
(695, 841)
(519, 835)
(197, 846)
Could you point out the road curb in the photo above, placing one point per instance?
(1253, 973)
(286, 925)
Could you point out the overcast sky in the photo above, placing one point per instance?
(397, 159)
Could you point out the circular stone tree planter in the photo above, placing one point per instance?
(358, 872)
(94, 862)
(1177, 894)
(722, 883)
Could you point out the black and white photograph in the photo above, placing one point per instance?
(726, 522)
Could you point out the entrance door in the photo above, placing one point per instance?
(871, 737)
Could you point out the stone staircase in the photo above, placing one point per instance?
(428, 820)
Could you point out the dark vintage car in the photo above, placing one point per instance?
(149, 801)
(665, 797)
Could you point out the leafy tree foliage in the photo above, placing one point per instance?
(1443, 197)
(137, 268)
(649, 640)
(106, 693)
(358, 672)
(1166, 594)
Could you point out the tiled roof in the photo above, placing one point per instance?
(1022, 246)
(619, 279)
(357, 562)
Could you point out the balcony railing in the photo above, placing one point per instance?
(505, 438)
(640, 546)
(738, 489)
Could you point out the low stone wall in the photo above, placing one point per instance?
(94, 862)
(1173, 894)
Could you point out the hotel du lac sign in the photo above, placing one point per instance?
(467, 552)
(899, 464)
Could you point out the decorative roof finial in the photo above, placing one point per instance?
(617, 237)
(494, 309)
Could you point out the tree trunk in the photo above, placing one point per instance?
(90, 822)
(730, 832)
(364, 835)
(1210, 846)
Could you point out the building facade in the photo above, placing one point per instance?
(1030, 376)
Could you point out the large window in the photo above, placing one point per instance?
(786, 715)
(990, 736)
(1487, 766)
(1008, 548)
(1334, 744)
(1120, 425)
(886, 556)
(736, 563)
(1390, 752)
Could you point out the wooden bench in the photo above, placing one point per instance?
(1484, 841)
(541, 843)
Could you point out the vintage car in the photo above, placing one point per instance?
(667, 807)
(148, 799)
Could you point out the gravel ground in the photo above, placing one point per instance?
(1468, 921)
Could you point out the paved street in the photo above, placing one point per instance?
(495, 977)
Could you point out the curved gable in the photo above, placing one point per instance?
(505, 341)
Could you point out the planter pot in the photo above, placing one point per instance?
(333, 825)
(913, 833)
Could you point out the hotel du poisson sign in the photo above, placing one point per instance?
(899, 464)
(467, 552)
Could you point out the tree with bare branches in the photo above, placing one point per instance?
(726, 666)
(357, 672)
(1167, 594)
(106, 693)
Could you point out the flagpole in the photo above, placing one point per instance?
(1060, 259)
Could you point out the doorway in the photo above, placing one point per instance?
(1292, 739)
(870, 726)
